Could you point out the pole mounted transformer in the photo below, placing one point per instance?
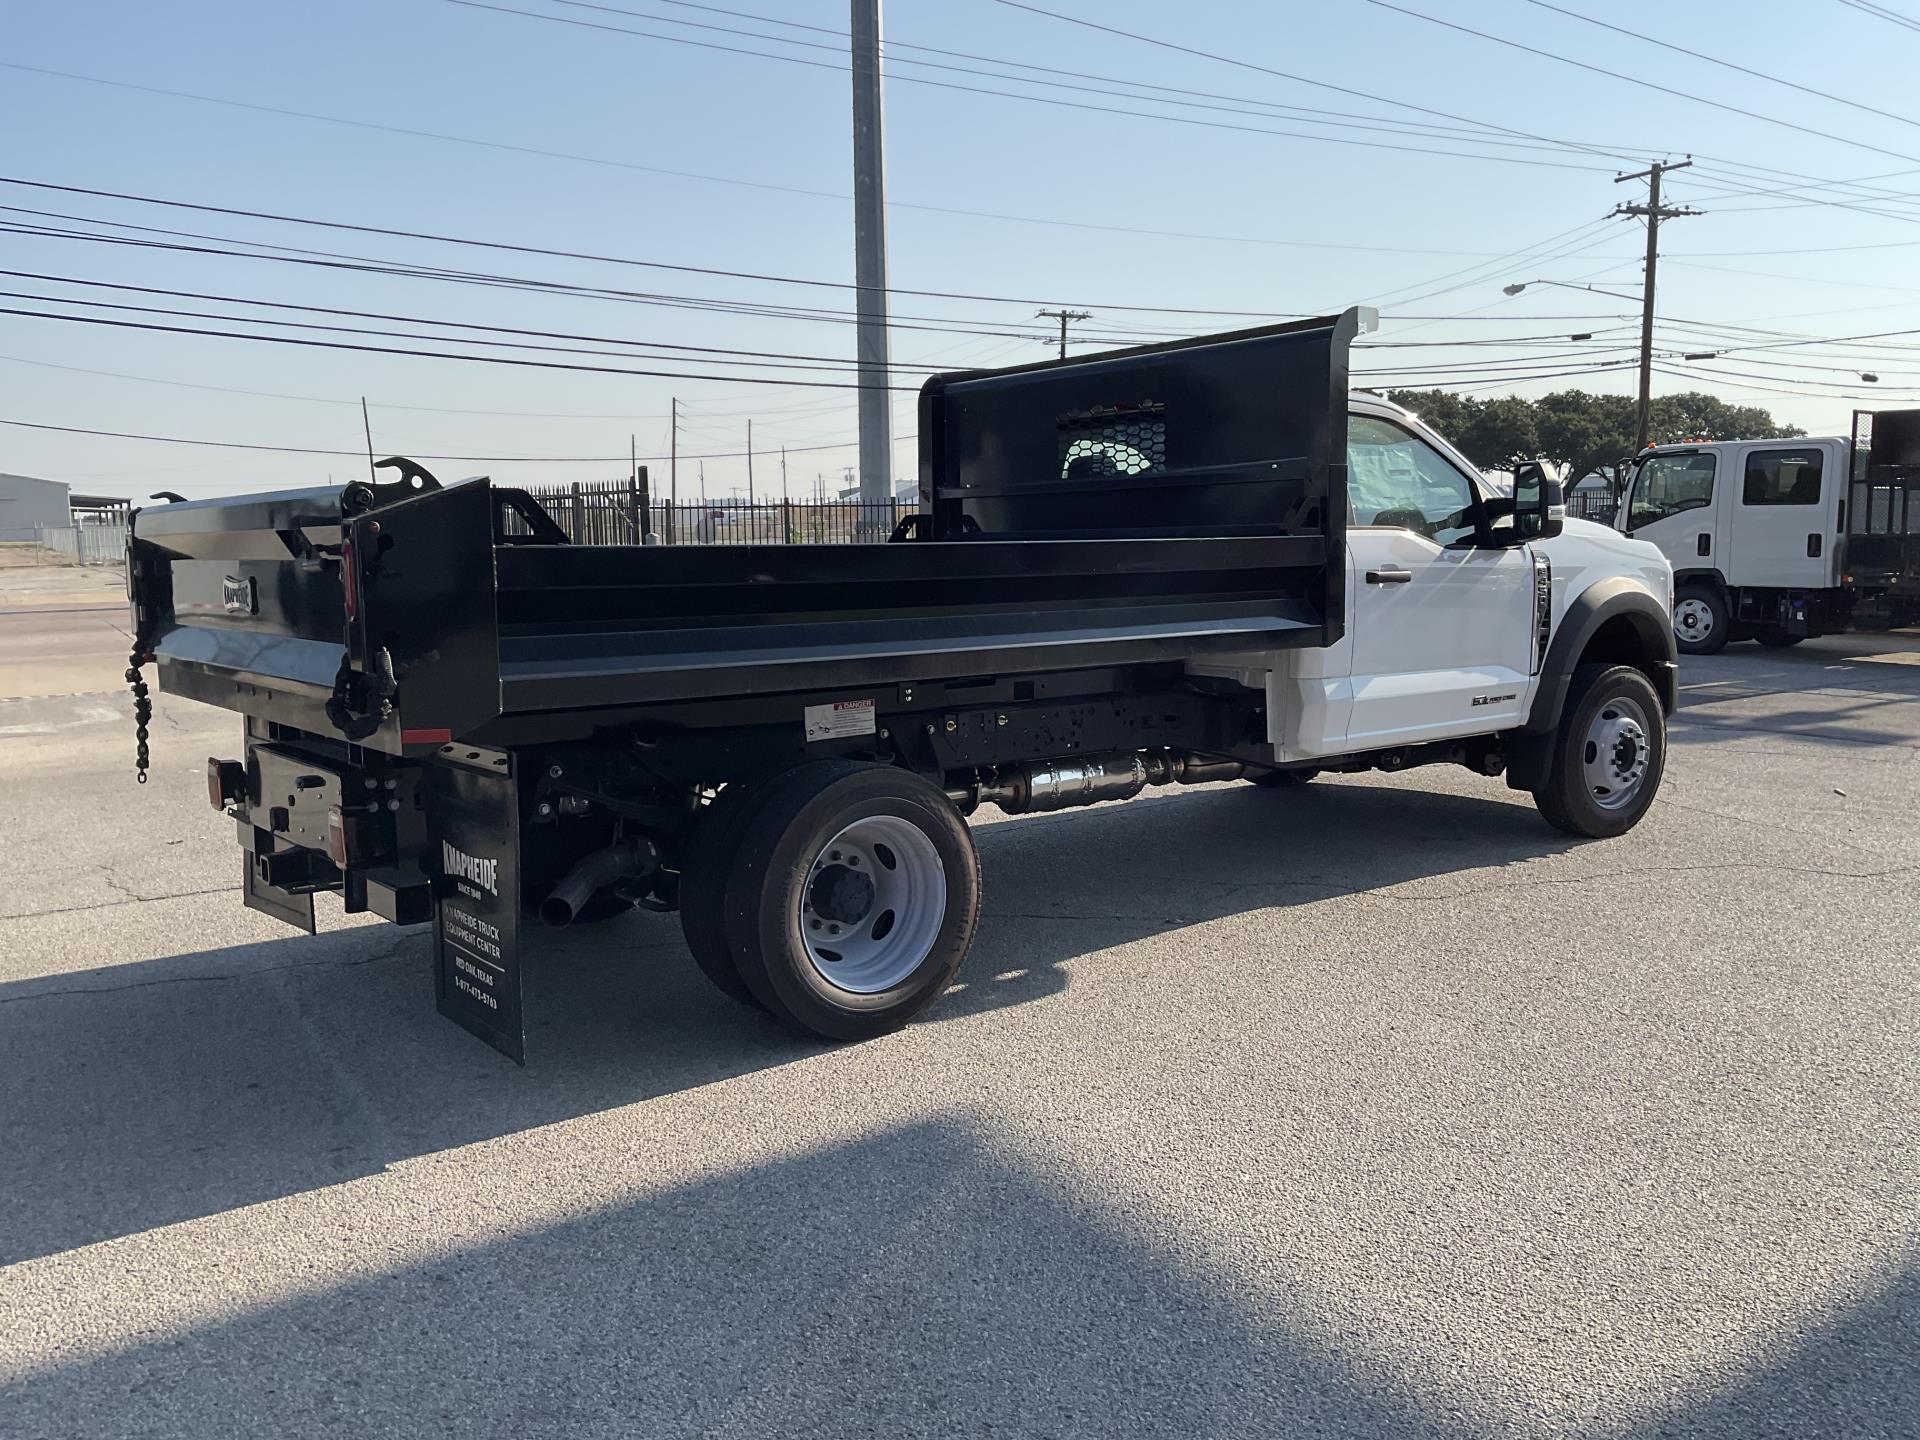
(870, 266)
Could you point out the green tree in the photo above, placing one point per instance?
(1578, 430)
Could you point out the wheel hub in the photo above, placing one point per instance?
(1693, 619)
(1618, 754)
(872, 904)
(840, 894)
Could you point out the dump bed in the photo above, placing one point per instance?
(1145, 505)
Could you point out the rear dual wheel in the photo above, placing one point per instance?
(840, 896)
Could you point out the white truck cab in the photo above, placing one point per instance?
(1470, 641)
(1755, 531)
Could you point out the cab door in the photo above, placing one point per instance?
(1675, 503)
(1442, 637)
(1782, 517)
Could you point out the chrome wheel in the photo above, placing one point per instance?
(872, 905)
(1618, 753)
(1693, 621)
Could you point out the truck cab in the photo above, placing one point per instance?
(1755, 531)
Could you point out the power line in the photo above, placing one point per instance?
(359, 453)
(627, 260)
(310, 343)
(1633, 80)
(1012, 95)
(1305, 79)
(602, 160)
(1881, 12)
(1052, 75)
(1723, 64)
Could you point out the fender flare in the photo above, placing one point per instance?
(1603, 601)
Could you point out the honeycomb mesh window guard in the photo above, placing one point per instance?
(1112, 440)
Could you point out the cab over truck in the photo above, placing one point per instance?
(1179, 564)
(1779, 540)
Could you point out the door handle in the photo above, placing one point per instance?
(1389, 577)
(1703, 544)
(1813, 547)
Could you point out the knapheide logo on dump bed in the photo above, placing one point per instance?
(471, 868)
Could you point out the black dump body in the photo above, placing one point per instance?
(1141, 506)
(1883, 511)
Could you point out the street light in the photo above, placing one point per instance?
(1516, 288)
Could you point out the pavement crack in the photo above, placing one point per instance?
(129, 897)
(389, 952)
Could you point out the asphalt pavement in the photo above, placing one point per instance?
(1375, 1108)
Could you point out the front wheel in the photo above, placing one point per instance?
(1700, 622)
(852, 899)
(1609, 753)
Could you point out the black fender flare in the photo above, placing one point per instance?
(1601, 602)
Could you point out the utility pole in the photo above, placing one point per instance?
(749, 464)
(783, 472)
(1063, 316)
(673, 468)
(1654, 213)
(870, 257)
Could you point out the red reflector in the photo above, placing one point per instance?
(337, 837)
(224, 781)
(439, 736)
(350, 578)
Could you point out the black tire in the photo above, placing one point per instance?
(1774, 640)
(1709, 631)
(775, 882)
(1566, 798)
(704, 869)
(1282, 779)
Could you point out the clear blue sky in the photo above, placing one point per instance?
(1296, 224)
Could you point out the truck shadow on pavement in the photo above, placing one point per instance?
(979, 1294)
(142, 1094)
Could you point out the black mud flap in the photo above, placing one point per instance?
(473, 828)
(257, 894)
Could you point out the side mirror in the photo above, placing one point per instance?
(1539, 506)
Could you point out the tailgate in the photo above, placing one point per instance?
(283, 606)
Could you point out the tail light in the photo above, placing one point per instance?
(226, 782)
(337, 837)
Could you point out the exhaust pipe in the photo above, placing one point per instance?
(627, 861)
(1088, 780)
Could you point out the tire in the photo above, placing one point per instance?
(1612, 724)
(1774, 640)
(1283, 779)
(703, 880)
(1701, 625)
(853, 898)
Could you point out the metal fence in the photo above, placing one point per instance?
(1592, 505)
(84, 544)
(623, 514)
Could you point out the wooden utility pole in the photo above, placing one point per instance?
(1063, 316)
(1654, 213)
(673, 467)
(749, 464)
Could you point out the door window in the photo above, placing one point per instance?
(1670, 484)
(1782, 477)
(1398, 481)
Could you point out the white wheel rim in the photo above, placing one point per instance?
(1693, 620)
(1618, 754)
(872, 904)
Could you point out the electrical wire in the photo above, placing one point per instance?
(1012, 95)
(1637, 80)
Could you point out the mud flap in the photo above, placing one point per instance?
(473, 830)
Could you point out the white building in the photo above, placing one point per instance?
(27, 503)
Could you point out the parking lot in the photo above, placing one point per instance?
(1374, 1108)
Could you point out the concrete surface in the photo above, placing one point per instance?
(1376, 1109)
(63, 628)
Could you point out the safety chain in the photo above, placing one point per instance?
(142, 714)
